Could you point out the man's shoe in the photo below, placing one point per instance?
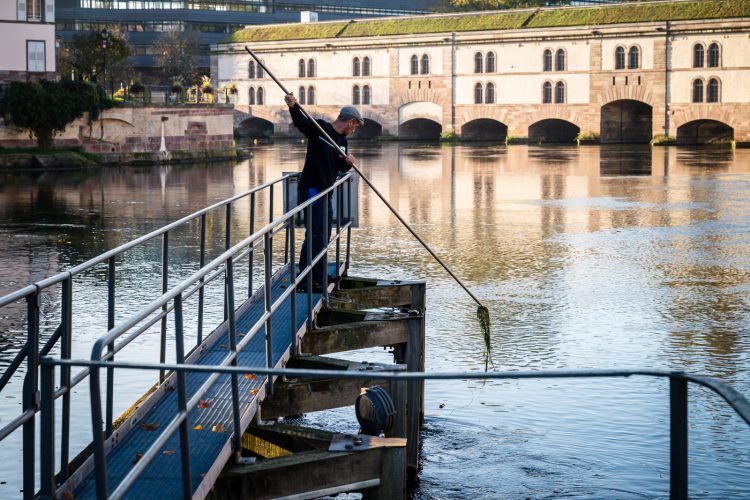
(317, 288)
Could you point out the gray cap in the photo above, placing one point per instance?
(352, 112)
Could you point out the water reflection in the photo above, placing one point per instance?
(590, 257)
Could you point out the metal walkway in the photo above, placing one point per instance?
(210, 423)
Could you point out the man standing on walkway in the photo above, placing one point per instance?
(322, 165)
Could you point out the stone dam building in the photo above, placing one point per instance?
(626, 73)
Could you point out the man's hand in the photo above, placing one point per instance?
(351, 160)
(290, 100)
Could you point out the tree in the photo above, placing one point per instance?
(469, 5)
(46, 107)
(83, 57)
(176, 53)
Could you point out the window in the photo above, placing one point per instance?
(251, 70)
(490, 66)
(311, 68)
(414, 65)
(301, 65)
(259, 71)
(366, 66)
(559, 92)
(712, 92)
(548, 60)
(33, 10)
(366, 94)
(620, 58)
(478, 93)
(478, 62)
(698, 90)
(425, 65)
(355, 95)
(560, 60)
(634, 58)
(259, 99)
(713, 55)
(355, 66)
(489, 97)
(301, 95)
(251, 96)
(311, 96)
(547, 93)
(35, 56)
(698, 55)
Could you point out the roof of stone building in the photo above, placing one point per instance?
(498, 20)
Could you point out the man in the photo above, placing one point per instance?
(322, 164)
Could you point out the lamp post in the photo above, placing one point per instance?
(105, 44)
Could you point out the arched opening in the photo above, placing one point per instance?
(369, 130)
(553, 130)
(484, 129)
(420, 129)
(626, 122)
(255, 127)
(704, 132)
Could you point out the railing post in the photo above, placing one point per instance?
(339, 209)
(252, 247)
(187, 484)
(66, 344)
(164, 286)
(47, 423)
(349, 184)
(201, 291)
(229, 295)
(327, 236)
(308, 234)
(110, 347)
(227, 245)
(31, 394)
(267, 242)
(100, 461)
(678, 437)
(292, 280)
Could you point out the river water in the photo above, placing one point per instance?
(590, 257)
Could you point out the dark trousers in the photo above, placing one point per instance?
(316, 234)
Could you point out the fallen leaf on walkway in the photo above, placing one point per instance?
(167, 452)
(217, 428)
(253, 391)
(150, 426)
(138, 456)
(251, 376)
(198, 427)
(204, 404)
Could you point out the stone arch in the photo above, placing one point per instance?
(420, 120)
(484, 129)
(553, 130)
(626, 121)
(704, 131)
(369, 130)
(254, 127)
(420, 109)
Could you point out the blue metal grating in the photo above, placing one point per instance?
(162, 478)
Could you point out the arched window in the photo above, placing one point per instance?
(301, 65)
(547, 93)
(620, 58)
(259, 98)
(560, 60)
(311, 68)
(548, 60)
(697, 90)
(355, 66)
(478, 59)
(259, 72)
(301, 95)
(251, 70)
(489, 96)
(251, 96)
(311, 96)
(634, 58)
(698, 55)
(559, 92)
(425, 69)
(712, 92)
(366, 94)
(713, 55)
(355, 94)
(414, 65)
(490, 66)
(366, 66)
(478, 93)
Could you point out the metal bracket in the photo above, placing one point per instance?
(361, 442)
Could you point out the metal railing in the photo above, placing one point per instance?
(678, 397)
(156, 312)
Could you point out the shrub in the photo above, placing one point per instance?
(587, 136)
(449, 136)
(136, 86)
(205, 85)
(177, 85)
(663, 140)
